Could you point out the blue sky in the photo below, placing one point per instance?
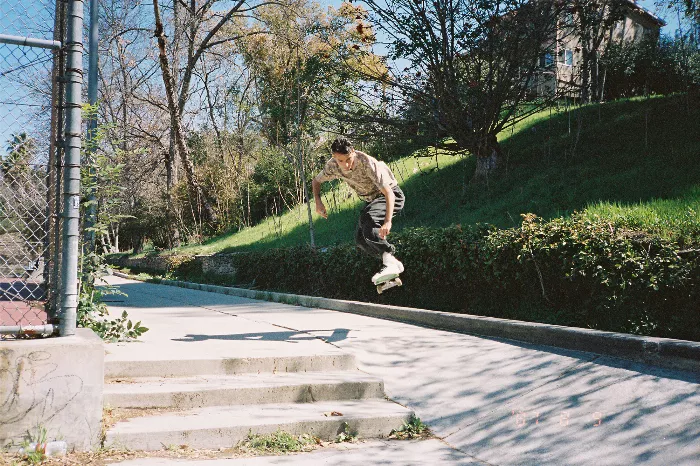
(24, 68)
(668, 15)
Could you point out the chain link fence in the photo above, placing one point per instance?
(31, 60)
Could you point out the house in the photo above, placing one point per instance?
(560, 69)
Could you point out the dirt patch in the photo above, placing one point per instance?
(109, 457)
(110, 416)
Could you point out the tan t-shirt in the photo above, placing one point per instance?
(367, 176)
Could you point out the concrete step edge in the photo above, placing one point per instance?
(228, 366)
(196, 392)
(261, 378)
(219, 427)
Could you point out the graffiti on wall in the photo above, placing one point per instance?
(36, 392)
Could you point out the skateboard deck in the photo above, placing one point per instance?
(382, 287)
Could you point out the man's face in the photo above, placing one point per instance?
(346, 161)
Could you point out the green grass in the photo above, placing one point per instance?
(635, 160)
(667, 217)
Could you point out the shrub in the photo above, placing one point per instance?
(578, 271)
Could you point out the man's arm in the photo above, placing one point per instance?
(390, 199)
(320, 208)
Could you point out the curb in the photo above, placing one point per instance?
(662, 352)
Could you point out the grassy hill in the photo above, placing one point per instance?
(637, 159)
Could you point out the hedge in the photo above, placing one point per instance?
(575, 271)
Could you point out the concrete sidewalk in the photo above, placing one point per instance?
(494, 401)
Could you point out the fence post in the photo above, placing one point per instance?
(91, 214)
(71, 179)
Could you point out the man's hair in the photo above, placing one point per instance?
(341, 146)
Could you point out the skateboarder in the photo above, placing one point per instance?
(374, 182)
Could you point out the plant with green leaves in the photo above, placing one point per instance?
(345, 434)
(93, 312)
(413, 428)
(32, 450)
(100, 185)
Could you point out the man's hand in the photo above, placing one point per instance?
(321, 209)
(390, 199)
(385, 230)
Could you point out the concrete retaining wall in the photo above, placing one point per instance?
(52, 383)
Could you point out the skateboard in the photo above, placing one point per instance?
(382, 287)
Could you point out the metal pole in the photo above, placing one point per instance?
(27, 330)
(71, 180)
(90, 217)
(30, 42)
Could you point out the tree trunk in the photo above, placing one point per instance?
(171, 225)
(595, 77)
(585, 77)
(488, 159)
(195, 188)
(138, 245)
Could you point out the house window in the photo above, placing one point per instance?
(546, 60)
(568, 18)
(566, 57)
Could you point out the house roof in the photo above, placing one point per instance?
(644, 12)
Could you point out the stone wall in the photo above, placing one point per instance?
(155, 262)
(218, 264)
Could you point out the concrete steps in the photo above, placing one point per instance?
(215, 403)
(245, 389)
(224, 426)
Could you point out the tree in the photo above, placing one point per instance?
(203, 31)
(15, 166)
(135, 119)
(135, 102)
(295, 67)
(471, 65)
(176, 104)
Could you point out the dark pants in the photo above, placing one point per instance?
(371, 220)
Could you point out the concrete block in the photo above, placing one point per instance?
(54, 384)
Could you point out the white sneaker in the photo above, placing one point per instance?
(387, 273)
(392, 268)
(389, 259)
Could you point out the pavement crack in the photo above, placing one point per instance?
(453, 447)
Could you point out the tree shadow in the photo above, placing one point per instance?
(510, 403)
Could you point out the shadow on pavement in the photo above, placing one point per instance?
(291, 337)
